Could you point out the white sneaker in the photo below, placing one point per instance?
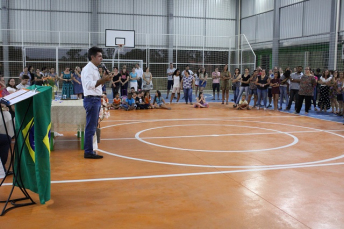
(258, 108)
(264, 108)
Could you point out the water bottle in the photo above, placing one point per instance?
(64, 96)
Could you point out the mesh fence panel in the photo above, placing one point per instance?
(69, 49)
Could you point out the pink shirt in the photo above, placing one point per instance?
(216, 80)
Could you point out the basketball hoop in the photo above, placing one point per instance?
(120, 47)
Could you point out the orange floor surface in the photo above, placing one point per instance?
(195, 168)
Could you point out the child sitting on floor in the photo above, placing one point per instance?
(159, 101)
(148, 101)
(116, 102)
(129, 103)
(104, 110)
(243, 103)
(201, 103)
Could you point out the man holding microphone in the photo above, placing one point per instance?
(92, 84)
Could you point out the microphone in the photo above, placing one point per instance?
(105, 68)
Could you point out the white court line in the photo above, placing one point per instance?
(216, 135)
(304, 115)
(213, 166)
(188, 174)
(221, 119)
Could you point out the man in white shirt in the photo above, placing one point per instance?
(170, 72)
(139, 73)
(92, 85)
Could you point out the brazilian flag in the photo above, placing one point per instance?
(35, 159)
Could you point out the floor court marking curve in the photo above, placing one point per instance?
(186, 174)
(252, 166)
(295, 141)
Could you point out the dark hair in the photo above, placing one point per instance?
(115, 68)
(236, 69)
(93, 52)
(8, 83)
(29, 68)
(224, 67)
(323, 74)
(132, 88)
(318, 70)
(130, 94)
(175, 72)
(205, 70)
(145, 69)
(116, 94)
(25, 77)
(186, 66)
(104, 93)
(159, 95)
(278, 74)
(187, 71)
(287, 74)
(43, 68)
(199, 95)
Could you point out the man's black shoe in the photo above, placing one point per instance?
(92, 156)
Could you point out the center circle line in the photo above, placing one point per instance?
(295, 141)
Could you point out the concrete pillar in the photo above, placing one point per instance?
(5, 36)
(332, 63)
(170, 30)
(276, 33)
(237, 33)
(94, 23)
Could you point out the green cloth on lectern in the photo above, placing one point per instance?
(35, 159)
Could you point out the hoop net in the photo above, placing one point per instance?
(120, 47)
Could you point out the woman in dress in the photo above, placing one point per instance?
(67, 86)
(133, 79)
(324, 100)
(275, 88)
(333, 92)
(11, 86)
(147, 84)
(203, 76)
(306, 92)
(224, 83)
(78, 90)
(124, 81)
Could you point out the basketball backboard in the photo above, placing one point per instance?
(114, 37)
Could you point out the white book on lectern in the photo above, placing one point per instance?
(2, 171)
(20, 95)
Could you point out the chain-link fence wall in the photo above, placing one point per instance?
(67, 49)
(313, 51)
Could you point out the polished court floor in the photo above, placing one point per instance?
(196, 168)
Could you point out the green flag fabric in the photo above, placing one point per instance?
(35, 159)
